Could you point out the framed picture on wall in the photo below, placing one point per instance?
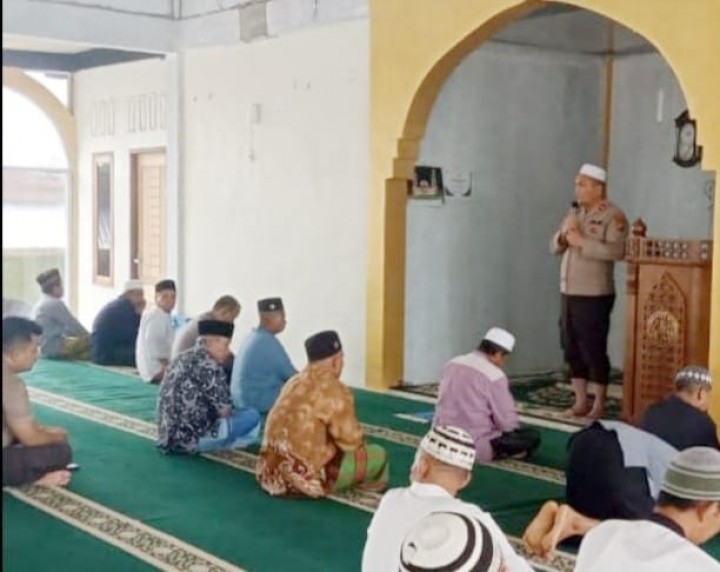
(102, 165)
(428, 183)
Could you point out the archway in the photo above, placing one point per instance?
(406, 79)
(64, 123)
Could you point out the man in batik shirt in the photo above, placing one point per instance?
(313, 442)
(195, 411)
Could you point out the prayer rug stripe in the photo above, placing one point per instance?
(158, 549)
(239, 459)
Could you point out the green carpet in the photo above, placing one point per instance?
(32, 541)
(221, 509)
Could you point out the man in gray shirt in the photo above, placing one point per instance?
(63, 336)
(225, 309)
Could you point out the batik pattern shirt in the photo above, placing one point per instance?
(193, 396)
(311, 424)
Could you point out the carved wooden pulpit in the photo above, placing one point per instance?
(668, 315)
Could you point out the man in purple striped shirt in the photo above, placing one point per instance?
(475, 396)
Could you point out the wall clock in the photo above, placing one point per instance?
(687, 152)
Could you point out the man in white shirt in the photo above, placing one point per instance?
(687, 514)
(450, 542)
(443, 466)
(155, 336)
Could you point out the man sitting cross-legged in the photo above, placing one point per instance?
(195, 412)
(442, 468)
(313, 443)
(63, 336)
(475, 396)
(225, 309)
(31, 453)
(687, 514)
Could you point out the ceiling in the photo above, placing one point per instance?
(554, 27)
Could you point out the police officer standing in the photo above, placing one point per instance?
(590, 239)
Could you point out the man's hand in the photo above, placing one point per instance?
(574, 237)
(569, 223)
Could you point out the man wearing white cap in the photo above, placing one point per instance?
(475, 396)
(590, 239)
(442, 468)
(687, 514)
(115, 328)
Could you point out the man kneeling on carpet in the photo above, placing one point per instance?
(475, 396)
(686, 515)
(195, 411)
(313, 442)
(31, 453)
(442, 468)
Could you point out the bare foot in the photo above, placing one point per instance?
(557, 533)
(540, 527)
(595, 414)
(54, 479)
(575, 411)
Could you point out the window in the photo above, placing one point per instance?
(103, 217)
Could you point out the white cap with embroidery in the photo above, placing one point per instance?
(131, 285)
(450, 445)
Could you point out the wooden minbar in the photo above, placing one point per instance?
(668, 315)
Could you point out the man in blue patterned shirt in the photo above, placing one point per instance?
(195, 412)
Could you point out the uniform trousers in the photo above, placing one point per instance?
(584, 327)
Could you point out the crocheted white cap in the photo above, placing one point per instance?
(693, 375)
(450, 445)
(594, 172)
(449, 542)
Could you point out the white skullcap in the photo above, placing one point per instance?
(450, 445)
(501, 338)
(693, 375)
(594, 172)
(449, 542)
(133, 285)
(694, 474)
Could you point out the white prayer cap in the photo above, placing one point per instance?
(693, 376)
(450, 445)
(694, 474)
(449, 542)
(594, 172)
(131, 285)
(501, 338)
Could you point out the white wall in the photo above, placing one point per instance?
(642, 177)
(290, 221)
(103, 101)
(522, 121)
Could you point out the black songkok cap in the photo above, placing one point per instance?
(165, 285)
(48, 277)
(322, 345)
(270, 305)
(215, 328)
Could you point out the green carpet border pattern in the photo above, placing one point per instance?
(239, 459)
(158, 549)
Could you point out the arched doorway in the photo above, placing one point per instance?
(48, 172)
(406, 80)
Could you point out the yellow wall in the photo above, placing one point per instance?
(18, 81)
(415, 45)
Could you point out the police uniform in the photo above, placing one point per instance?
(587, 288)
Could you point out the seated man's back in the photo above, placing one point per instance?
(682, 419)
